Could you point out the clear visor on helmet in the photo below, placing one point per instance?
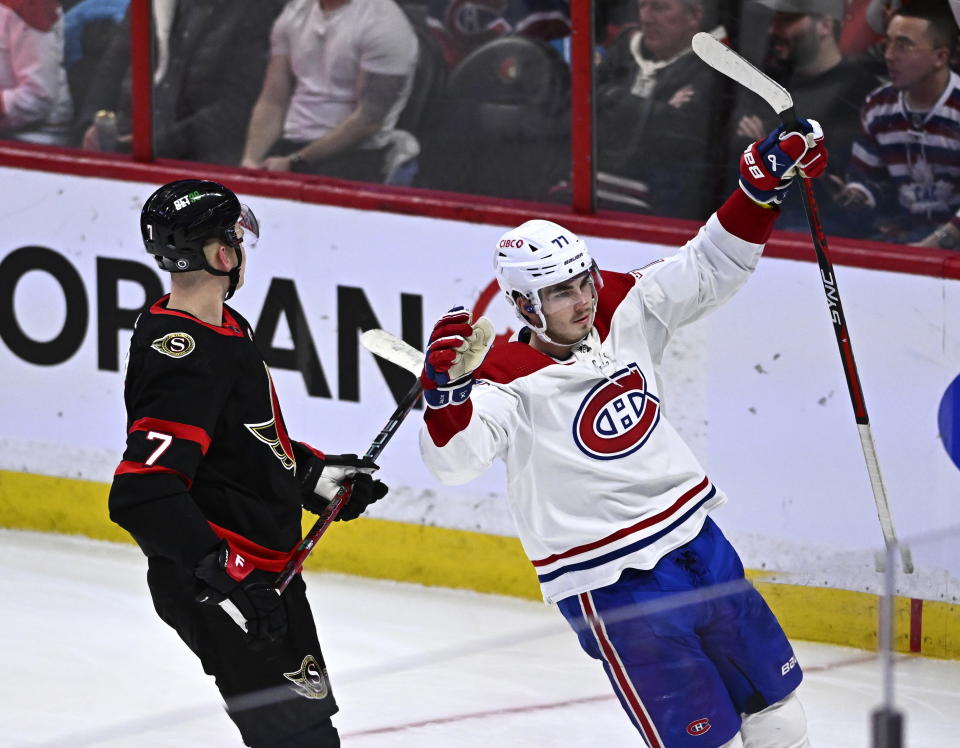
(251, 227)
(581, 290)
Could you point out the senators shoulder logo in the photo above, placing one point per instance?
(617, 416)
(174, 344)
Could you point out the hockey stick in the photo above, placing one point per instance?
(391, 348)
(724, 60)
(330, 512)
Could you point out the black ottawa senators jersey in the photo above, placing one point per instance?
(207, 452)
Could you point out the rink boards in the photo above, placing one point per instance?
(756, 388)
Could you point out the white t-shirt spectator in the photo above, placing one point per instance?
(328, 53)
(34, 96)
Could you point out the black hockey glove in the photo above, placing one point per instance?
(322, 477)
(365, 492)
(253, 594)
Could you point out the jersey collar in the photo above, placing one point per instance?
(230, 326)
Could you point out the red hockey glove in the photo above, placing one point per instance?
(456, 349)
(768, 166)
(222, 574)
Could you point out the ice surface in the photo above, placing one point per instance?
(87, 662)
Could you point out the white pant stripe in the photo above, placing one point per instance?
(621, 677)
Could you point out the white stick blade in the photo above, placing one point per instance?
(724, 60)
(391, 348)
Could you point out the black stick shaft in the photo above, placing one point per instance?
(830, 287)
(832, 290)
(329, 514)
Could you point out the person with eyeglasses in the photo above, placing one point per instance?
(803, 54)
(903, 166)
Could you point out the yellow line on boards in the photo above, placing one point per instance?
(438, 556)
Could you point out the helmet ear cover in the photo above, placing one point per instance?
(191, 260)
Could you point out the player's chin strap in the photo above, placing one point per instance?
(541, 330)
(233, 274)
(542, 334)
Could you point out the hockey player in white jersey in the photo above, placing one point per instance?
(610, 504)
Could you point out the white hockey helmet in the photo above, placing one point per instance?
(535, 255)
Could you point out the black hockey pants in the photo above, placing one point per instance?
(279, 697)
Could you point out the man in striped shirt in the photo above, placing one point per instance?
(905, 166)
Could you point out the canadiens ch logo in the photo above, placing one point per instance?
(617, 416)
(699, 726)
(174, 344)
(310, 680)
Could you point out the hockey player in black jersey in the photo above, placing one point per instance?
(211, 486)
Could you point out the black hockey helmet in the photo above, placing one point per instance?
(182, 216)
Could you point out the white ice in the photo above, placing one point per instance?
(85, 661)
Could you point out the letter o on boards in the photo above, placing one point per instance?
(45, 353)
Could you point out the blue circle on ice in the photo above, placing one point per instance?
(948, 419)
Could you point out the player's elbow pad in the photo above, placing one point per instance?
(162, 517)
(133, 490)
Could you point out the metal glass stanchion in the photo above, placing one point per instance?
(886, 720)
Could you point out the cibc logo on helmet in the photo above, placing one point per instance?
(617, 416)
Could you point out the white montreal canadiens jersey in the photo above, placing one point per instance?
(598, 479)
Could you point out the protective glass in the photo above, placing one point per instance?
(579, 290)
(251, 227)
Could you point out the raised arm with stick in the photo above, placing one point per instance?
(725, 60)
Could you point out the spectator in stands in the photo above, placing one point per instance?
(77, 19)
(88, 28)
(657, 105)
(35, 101)
(340, 73)
(864, 29)
(460, 26)
(904, 168)
(946, 236)
(804, 56)
(209, 62)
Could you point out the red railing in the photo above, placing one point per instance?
(141, 79)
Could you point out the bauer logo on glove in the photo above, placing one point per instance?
(768, 166)
(457, 347)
